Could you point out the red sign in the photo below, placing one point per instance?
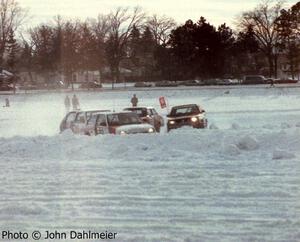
(162, 102)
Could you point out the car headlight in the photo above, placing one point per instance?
(122, 132)
(194, 119)
(171, 122)
(151, 130)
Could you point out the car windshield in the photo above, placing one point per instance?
(182, 111)
(117, 119)
(141, 112)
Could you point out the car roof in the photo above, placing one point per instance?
(185, 106)
(137, 108)
(93, 111)
(108, 113)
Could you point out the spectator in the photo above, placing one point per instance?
(6, 103)
(75, 103)
(134, 101)
(67, 103)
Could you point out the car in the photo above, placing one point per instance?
(254, 79)
(210, 82)
(142, 84)
(76, 118)
(120, 123)
(286, 81)
(186, 115)
(7, 88)
(193, 83)
(53, 85)
(148, 115)
(81, 119)
(225, 82)
(166, 84)
(91, 85)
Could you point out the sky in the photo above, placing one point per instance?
(215, 11)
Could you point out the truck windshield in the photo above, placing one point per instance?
(141, 112)
(183, 111)
(117, 119)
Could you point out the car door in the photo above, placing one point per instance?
(101, 126)
(150, 117)
(79, 124)
(89, 128)
(67, 121)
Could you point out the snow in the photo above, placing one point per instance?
(247, 143)
(236, 181)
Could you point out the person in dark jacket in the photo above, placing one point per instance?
(134, 101)
(75, 102)
(6, 103)
(67, 103)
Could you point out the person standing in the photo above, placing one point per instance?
(75, 102)
(67, 103)
(7, 105)
(134, 101)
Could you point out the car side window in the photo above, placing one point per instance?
(101, 120)
(92, 119)
(71, 117)
(80, 118)
(89, 115)
(149, 112)
(154, 111)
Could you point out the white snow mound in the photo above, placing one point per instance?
(282, 154)
(213, 126)
(232, 150)
(235, 126)
(285, 126)
(247, 143)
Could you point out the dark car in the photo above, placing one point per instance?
(193, 83)
(166, 84)
(254, 79)
(148, 115)
(91, 85)
(7, 88)
(285, 81)
(142, 84)
(75, 120)
(186, 115)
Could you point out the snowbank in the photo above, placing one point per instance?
(248, 143)
(282, 154)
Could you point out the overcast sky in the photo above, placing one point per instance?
(215, 11)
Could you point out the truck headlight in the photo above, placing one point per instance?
(171, 122)
(194, 119)
(151, 130)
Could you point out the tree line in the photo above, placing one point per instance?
(152, 47)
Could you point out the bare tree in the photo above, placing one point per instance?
(263, 20)
(121, 22)
(12, 16)
(160, 27)
(100, 28)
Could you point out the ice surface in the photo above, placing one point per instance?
(282, 154)
(219, 184)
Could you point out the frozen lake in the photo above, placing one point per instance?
(238, 181)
